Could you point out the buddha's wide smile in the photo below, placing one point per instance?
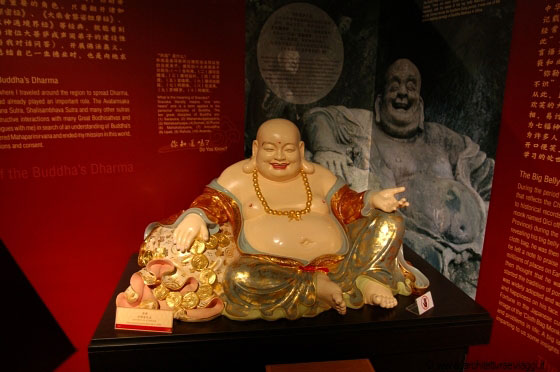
(279, 165)
(401, 104)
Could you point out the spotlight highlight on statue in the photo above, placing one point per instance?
(276, 236)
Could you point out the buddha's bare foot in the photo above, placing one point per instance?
(330, 293)
(377, 294)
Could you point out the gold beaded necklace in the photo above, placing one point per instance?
(292, 214)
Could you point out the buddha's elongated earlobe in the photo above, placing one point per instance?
(250, 165)
(307, 167)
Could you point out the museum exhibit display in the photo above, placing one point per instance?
(118, 113)
(322, 246)
(232, 259)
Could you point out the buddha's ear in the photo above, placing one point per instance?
(250, 165)
(307, 166)
(377, 108)
(254, 148)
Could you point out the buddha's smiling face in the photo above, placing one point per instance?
(401, 104)
(278, 150)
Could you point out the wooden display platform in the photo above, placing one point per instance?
(393, 340)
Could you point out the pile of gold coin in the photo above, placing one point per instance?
(198, 247)
(199, 262)
(174, 300)
(190, 300)
(218, 239)
(148, 277)
(223, 240)
(168, 289)
(208, 276)
(160, 292)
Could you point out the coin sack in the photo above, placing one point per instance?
(188, 283)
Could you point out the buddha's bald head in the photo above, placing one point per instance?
(278, 150)
(279, 127)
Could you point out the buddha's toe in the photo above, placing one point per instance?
(377, 294)
(386, 302)
(338, 303)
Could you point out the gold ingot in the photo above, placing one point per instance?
(199, 262)
(198, 247)
(160, 292)
(174, 299)
(190, 300)
(212, 242)
(148, 277)
(175, 280)
(223, 240)
(130, 295)
(208, 276)
(148, 304)
(205, 291)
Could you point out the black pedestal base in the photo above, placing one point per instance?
(393, 340)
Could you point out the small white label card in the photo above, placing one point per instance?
(424, 303)
(147, 320)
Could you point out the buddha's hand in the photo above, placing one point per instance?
(386, 200)
(188, 230)
(334, 161)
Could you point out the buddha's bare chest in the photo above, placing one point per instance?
(315, 234)
(405, 159)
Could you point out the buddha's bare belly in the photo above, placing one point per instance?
(314, 235)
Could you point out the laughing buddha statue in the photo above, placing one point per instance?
(275, 236)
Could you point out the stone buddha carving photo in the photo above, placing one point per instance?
(275, 236)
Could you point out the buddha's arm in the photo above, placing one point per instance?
(206, 212)
(386, 200)
(348, 205)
